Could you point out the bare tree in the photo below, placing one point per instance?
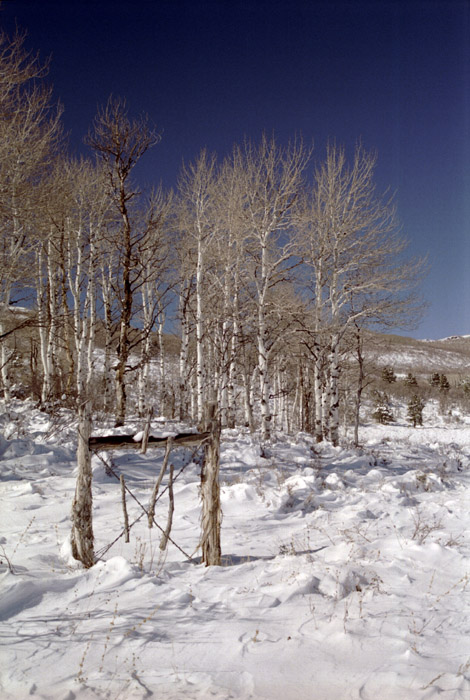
(196, 216)
(272, 180)
(352, 245)
(120, 143)
(237, 221)
(156, 261)
(29, 136)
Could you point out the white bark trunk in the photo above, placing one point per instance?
(184, 372)
(144, 365)
(263, 373)
(108, 394)
(48, 315)
(161, 363)
(5, 357)
(325, 402)
(200, 366)
(318, 393)
(334, 392)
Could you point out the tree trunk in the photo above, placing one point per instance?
(318, 380)
(334, 392)
(200, 365)
(231, 418)
(108, 330)
(359, 386)
(247, 403)
(5, 357)
(142, 375)
(161, 365)
(184, 372)
(325, 405)
(48, 320)
(121, 396)
(124, 328)
(263, 379)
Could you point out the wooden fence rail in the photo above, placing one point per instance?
(128, 442)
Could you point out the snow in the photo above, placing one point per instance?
(345, 571)
(455, 337)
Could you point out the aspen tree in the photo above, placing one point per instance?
(196, 190)
(271, 180)
(355, 253)
(87, 218)
(29, 136)
(120, 142)
(155, 261)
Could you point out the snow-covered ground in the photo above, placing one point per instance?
(346, 571)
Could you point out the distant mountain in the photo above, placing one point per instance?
(448, 355)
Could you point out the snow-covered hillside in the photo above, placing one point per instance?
(421, 356)
(346, 572)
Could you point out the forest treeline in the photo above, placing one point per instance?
(267, 265)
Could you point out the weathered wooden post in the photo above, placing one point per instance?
(211, 517)
(146, 432)
(153, 498)
(82, 524)
(171, 509)
(124, 507)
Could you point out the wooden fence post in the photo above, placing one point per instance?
(82, 523)
(124, 507)
(146, 432)
(153, 498)
(171, 509)
(210, 492)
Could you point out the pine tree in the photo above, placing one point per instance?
(415, 410)
(410, 380)
(388, 375)
(444, 385)
(383, 411)
(465, 384)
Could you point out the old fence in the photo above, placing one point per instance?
(206, 441)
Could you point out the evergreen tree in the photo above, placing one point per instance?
(465, 384)
(383, 411)
(415, 410)
(444, 385)
(410, 380)
(388, 375)
(435, 379)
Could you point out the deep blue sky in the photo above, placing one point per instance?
(395, 74)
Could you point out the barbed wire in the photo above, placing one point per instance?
(109, 468)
